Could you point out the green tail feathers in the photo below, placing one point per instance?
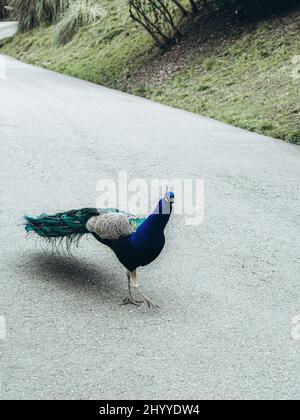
(60, 225)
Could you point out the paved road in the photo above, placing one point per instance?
(8, 29)
(228, 288)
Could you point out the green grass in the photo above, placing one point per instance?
(80, 13)
(245, 81)
(103, 52)
(248, 84)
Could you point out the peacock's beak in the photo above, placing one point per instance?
(169, 199)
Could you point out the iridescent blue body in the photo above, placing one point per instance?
(146, 243)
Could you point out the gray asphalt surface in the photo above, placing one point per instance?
(228, 289)
(8, 29)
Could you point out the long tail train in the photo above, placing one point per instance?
(70, 225)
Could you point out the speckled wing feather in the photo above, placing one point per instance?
(113, 226)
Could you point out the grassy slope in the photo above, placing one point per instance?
(244, 80)
(103, 52)
(247, 82)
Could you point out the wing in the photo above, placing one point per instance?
(113, 224)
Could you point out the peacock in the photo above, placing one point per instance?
(135, 241)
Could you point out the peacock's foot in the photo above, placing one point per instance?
(151, 304)
(130, 301)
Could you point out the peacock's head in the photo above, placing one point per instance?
(169, 197)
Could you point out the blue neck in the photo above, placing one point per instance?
(155, 224)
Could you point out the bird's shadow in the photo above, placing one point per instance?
(68, 272)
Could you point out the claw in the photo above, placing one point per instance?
(132, 281)
(151, 305)
(131, 301)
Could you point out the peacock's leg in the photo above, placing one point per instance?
(135, 284)
(130, 300)
(132, 282)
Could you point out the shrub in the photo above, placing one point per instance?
(160, 18)
(32, 13)
(3, 9)
(246, 7)
(80, 13)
